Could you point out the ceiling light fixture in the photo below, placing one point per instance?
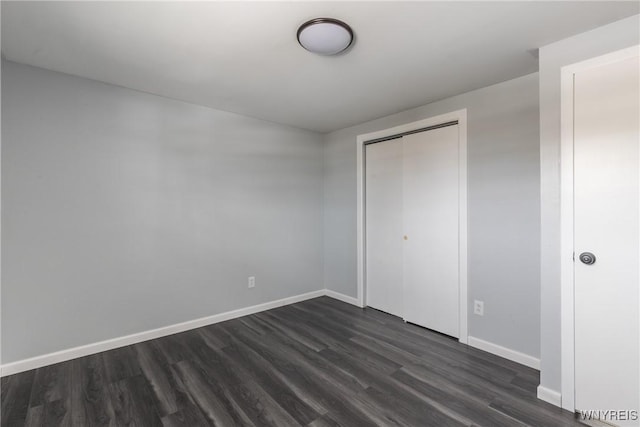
(325, 36)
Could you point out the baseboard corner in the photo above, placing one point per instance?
(549, 396)
(342, 297)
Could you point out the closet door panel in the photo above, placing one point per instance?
(383, 193)
(431, 226)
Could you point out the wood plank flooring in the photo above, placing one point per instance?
(316, 363)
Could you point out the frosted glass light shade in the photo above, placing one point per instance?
(325, 36)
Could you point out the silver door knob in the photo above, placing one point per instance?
(587, 258)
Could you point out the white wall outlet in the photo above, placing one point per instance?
(478, 308)
(252, 282)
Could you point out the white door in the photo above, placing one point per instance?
(606, 223)
(383, 198)
(431, 226)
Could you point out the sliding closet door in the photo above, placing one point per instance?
(430, 217)
(383, 193)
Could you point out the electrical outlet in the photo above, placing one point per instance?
(478, 308)
(252, 282)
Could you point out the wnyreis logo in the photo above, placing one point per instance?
(610, 415)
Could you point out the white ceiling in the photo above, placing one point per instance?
(243, 56)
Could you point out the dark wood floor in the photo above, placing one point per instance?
(316, 363)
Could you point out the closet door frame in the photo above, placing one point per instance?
(461, 117)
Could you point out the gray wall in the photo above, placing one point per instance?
(612, 37)
(124, 211)
(503, 207)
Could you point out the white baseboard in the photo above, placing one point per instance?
(342, 297)
(85, 350)
(549, 396)
(507, 353)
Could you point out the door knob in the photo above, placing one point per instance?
(587, 258)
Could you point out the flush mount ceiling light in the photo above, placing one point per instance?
(325, 36)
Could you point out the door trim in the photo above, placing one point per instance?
(461, 117)
(567, 296)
